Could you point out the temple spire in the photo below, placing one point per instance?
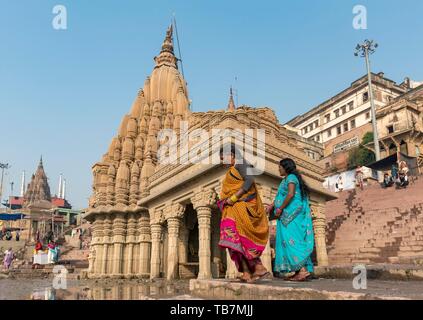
(167, 45)
(38, 188)
(231, 104)
(167, 56)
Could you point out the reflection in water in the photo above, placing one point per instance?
(125, 290)
(44, 294)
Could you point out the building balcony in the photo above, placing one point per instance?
(395, 129)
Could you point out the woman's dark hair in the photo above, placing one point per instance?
(291, 168)
(234, 150)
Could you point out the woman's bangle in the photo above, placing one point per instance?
(234, 198)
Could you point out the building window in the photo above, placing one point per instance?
(316, 123)
(317, 138)
(329, 133)
(352, 123)
(344, 109)
(368, 115)
(351, 105)
(327, 164)
(345, 127)
(390, 129)
(338, 130)
(305, 129)
(365, 97)
(327, 118)
(336, 113)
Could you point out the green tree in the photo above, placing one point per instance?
(361, 156)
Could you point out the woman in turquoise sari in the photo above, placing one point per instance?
(294, 230)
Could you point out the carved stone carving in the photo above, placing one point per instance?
(204, 198)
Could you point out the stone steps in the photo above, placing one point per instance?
(377, 224)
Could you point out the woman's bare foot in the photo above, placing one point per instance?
(246, 277)
(260, 269)
(302, 275)
(260, 272)
(287, 278)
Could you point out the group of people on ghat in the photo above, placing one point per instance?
(7, 235)
(398, 176)
(52, 249)
(244, 227)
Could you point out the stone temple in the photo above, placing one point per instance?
(152, 219)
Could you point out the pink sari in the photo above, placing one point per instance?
(8, 258)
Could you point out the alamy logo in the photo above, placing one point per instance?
(60, 20)
(60, 277)
(199, 146)
(360, 280)
(360, 18)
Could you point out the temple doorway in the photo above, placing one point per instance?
(189, 244)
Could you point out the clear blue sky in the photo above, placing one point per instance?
(63, 93)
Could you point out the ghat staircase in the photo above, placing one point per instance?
(75, 259)
(376, 225)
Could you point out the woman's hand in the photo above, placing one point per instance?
(278, 213)
(229, 202)
(270, 208)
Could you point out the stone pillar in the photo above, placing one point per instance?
(119, 224)
(173, 215)
(91, 260)
(215, 234)
(319, 227)
(204, 252)
(172, 251)
(130, 240)
(156, 235)
(202, 202)
(183, 244)
(266, 257)
(145, 245)
(231, 270)
(96, 246)
(216, 251)
(107, 233)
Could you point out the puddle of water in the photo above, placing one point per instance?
(123, 290)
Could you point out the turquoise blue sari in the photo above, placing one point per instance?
(294, 230)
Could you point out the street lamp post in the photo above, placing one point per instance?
(364, 50)
(2, 167)
(11, 196)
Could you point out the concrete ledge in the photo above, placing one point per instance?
(379, 272)
(227, 290)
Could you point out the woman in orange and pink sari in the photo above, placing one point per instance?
(244, 228)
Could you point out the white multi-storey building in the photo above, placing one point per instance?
(340, 122)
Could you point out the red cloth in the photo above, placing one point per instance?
(38, 246)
